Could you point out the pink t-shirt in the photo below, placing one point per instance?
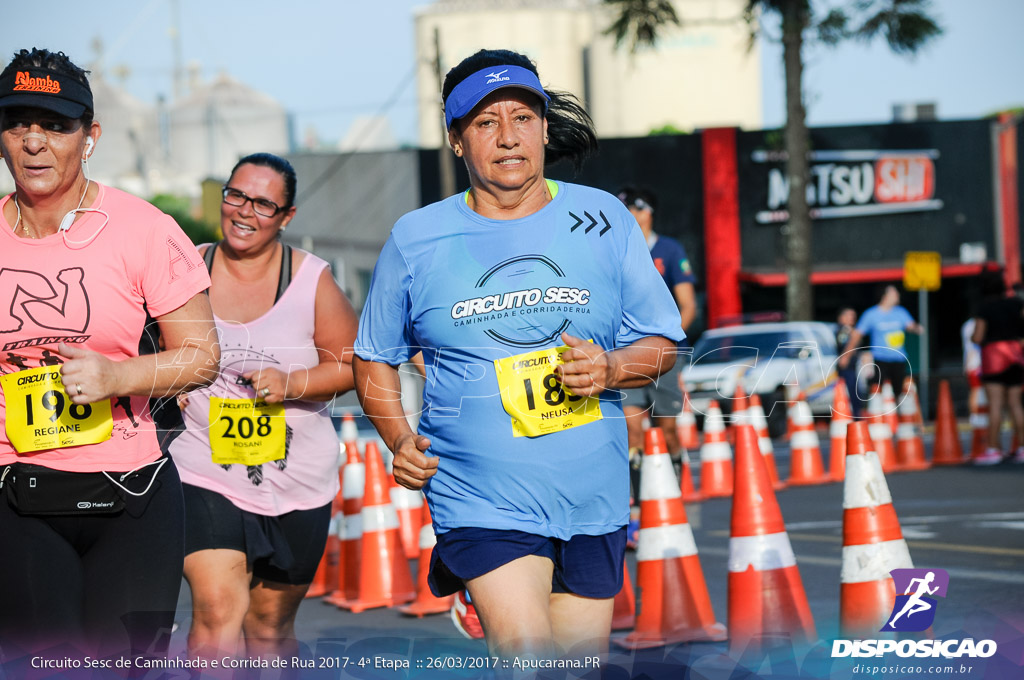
(91, 287)
(283, 339)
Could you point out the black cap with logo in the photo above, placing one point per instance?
(42, 89)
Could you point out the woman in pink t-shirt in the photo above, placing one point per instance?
(91, 519)
(259, 455)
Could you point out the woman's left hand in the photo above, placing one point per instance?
(270, 384)
(585, 368)
(88, 376)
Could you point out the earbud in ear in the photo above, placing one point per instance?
(89, 144)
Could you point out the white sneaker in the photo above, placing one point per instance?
(989, 457)
(1019, 458)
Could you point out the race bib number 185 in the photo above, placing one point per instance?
(532, 394)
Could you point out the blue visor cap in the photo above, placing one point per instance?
(473, 89)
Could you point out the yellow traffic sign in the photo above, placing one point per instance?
(922, 270)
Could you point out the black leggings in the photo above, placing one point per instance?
(894, 372)
(102, 584)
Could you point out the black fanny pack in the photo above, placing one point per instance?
(38, 490)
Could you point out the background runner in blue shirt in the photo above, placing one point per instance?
(532, 302)
(886, 325)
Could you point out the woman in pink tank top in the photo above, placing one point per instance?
(259, 455)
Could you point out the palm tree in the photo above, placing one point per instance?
(906, 27)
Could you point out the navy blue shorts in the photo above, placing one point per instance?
(588, 566)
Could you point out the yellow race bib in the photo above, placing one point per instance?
(40, 414)
(895, 339)
(532, 394)
(245, 431)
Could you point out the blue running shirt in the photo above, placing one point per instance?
(470, 290)
(887, 331)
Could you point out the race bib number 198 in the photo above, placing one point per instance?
(532, 394)
(40, 415)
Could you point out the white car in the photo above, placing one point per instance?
(776, 361)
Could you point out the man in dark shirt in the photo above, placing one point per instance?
(663, 400)
(845, 323)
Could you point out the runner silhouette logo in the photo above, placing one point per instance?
(914, 609)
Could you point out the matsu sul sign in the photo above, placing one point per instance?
(855, 183)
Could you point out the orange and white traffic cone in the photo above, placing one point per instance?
(349, 431)
(384, 576)
(624, 606)
(426, 602)
(327, 570)
(715, 456)
(842, 416)
(740, 406)
(766, 593)
(979, 416)
(764, 440)
(350, 528)
(947, 449)
(686, 487)
(889, 404)
(805, 465)
(873, 543)
(909, 442)
(674, 601)
(880, 431)
(408, 504)
(911, 389)
(686, 426)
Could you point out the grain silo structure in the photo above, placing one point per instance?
(209, 129)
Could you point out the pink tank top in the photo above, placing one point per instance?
(282, 338)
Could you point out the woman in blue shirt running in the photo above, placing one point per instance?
(533, 302)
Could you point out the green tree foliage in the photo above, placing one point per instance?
(179, 207)
(638, 22)
(667, 129)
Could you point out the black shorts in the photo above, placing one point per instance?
(284, 549)
(893, 372)
(1011, 377)
(589, 566)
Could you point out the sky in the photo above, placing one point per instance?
(330, 62)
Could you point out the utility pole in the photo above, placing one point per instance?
(175, 31)
(445, 161)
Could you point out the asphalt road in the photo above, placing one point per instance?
(966, 520)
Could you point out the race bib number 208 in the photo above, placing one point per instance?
(246, 432)
(536, 400)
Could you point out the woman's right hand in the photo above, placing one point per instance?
(411, 467)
